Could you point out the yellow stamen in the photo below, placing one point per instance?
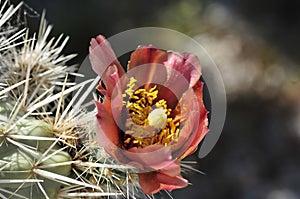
(130, 86)
(150, 121)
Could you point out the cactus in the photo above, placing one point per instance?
(49, 151)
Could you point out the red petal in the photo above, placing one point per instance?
(193, 131)
(110, 79)
(107, 124)
(149, 182)
(146, 55)
(183, 72)
(108, 134)
(151, 59)
(187, 65)
(170, 183)
(102, 55)
(172, 169)
(105, 62)
(167, 179)
(112, 92)
(203, 122)
(152, 157)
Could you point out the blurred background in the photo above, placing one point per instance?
(256, 47)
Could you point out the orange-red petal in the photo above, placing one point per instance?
(183, 72)
(185, 64)
(146, 55)
(151, 59)
(105, 62)
(102, 55)
(107, 124)
(168, 178)
(194, 131)
(152, 157)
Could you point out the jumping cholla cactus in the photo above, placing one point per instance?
(49, 152)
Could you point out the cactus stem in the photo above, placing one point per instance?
(23, 147)
(10, 193)
(44, 157)
(43, 190)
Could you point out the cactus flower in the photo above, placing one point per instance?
(153, 116)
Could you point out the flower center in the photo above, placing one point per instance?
(150, 121)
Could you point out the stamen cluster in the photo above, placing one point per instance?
(150, 120)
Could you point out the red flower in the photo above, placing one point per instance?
(152, 116)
